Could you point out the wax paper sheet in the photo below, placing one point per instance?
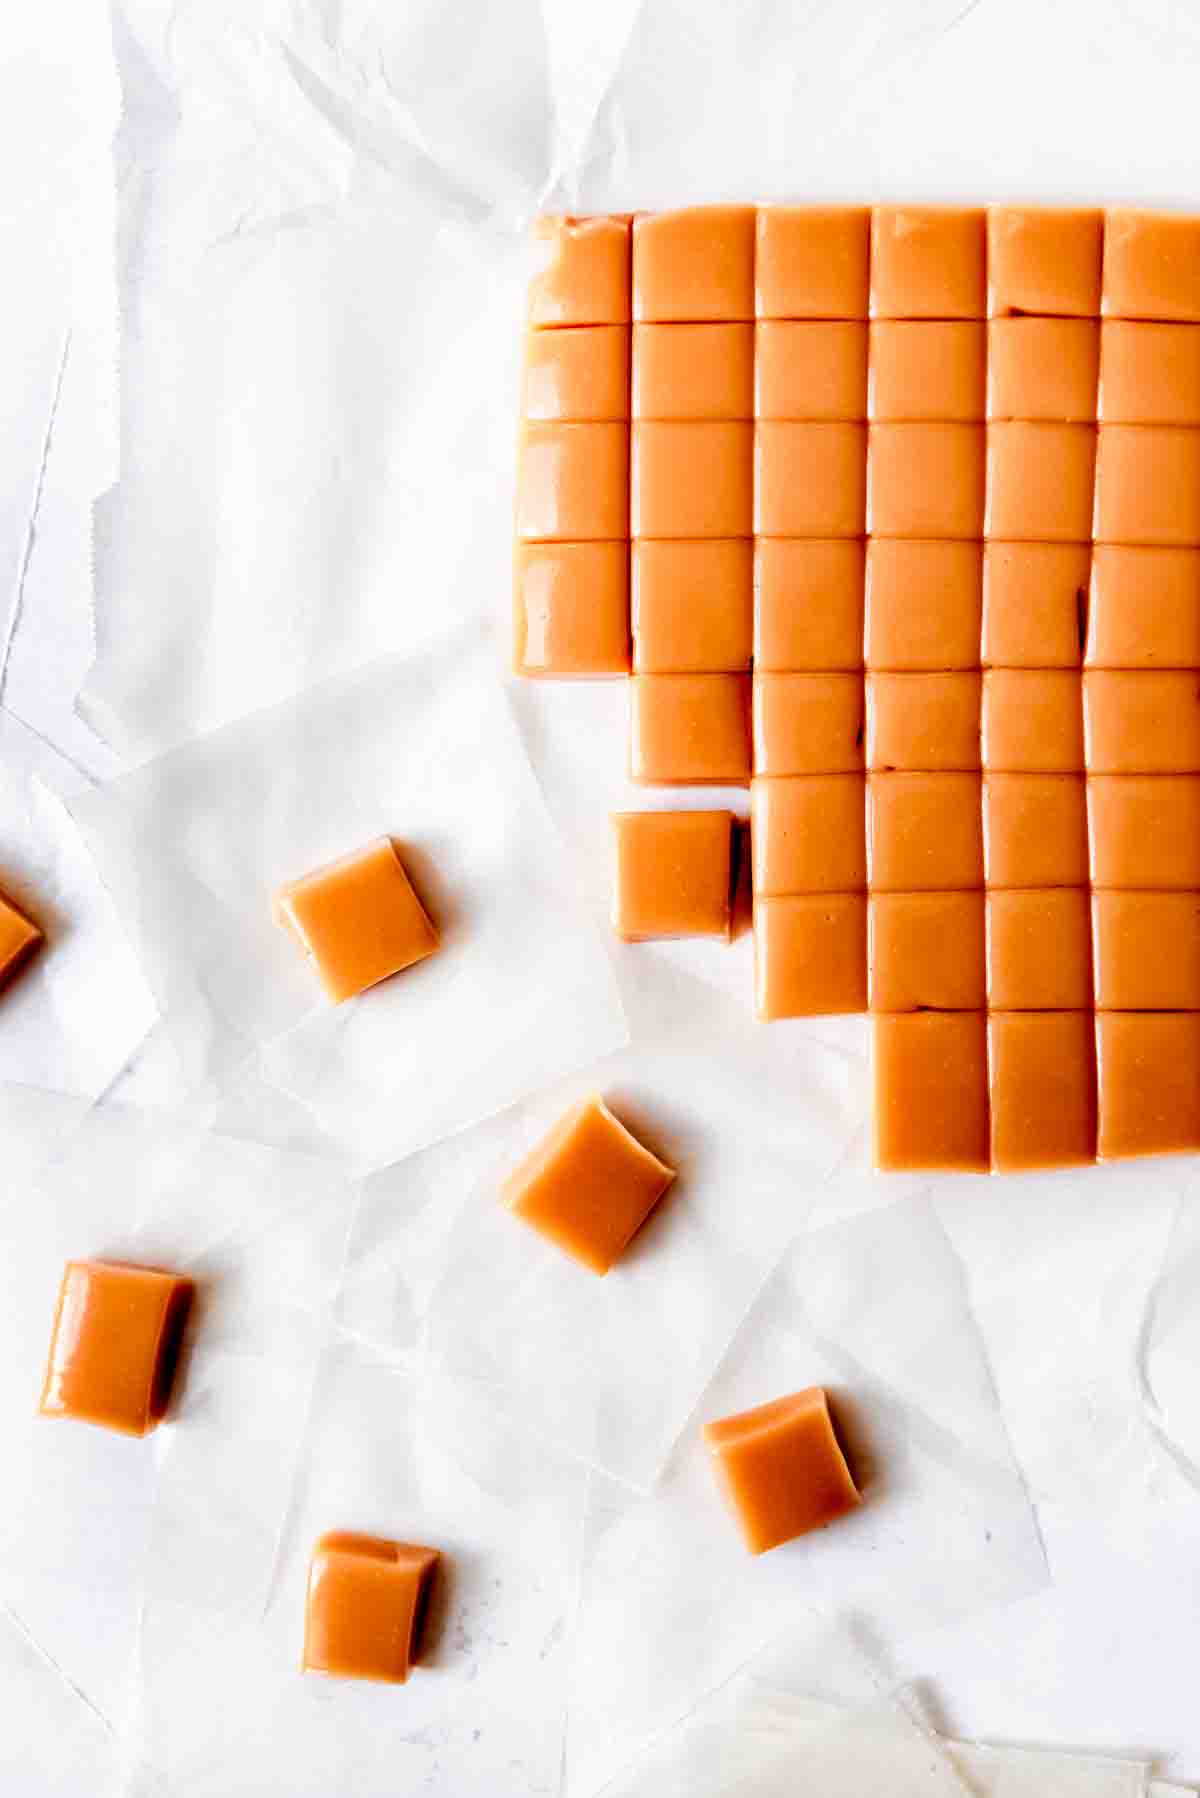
(1167, 1345)
(419, 747)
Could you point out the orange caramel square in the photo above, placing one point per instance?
(584, 279)
(693, 371)
(577, 374)
(1149, 374)
(694, 264)
(923, 604)
(1039, 949)
(926, 480)
(813, 262)
(1035, 604)
(810, 954)
(1144, 608)
(1043, 1089)
(1142, 721)
(1045, 260)
(810, 480)
(573, 481)
(1032, 721)
(693, 604)
(692, 478)
(366, 1602)
(926, 952)
(1035, 830)
(928, 369)
(19, 938)
(924, 833)
(571, 609)
(672, 874)
(1147, 951)
(1151, 265)
(1039, 481)
(782, 1469)
(690, 729)
(807, 836)
(808, 603)
(931, 1091)
(1043, 368)
(115, 1345)
(357, 919)
(1148, 485)
(1149, 1100)
(811, 369)
(928, 262)
(808, 723)
(1144, 831)
(923, 721)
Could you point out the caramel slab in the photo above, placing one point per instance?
(692, 605)
(1040, 481)
(573, 482)
(807, 834)
(1043, 368)
(1143, 721)
(1039, 949)
(926, 480)
(808, 604)
(928, 262)
(692, 478)
(690, 729)
(1032, 721)
(1149, 374)
(584, 278)
(1035, 830)
(1151, 265)
(927, 369)
(923, 721)
(1144, 831)
(694, 264)
(926, 952)
(693, 371)
(1147, 951)
(581, 373)
(1144, 608)
(813, 262)
(1035, 604)
(1148, 485)
(811, 370)
(1045, 260)
(930, 1108)
(924, 833)
(571, 609)
(1043, 1089)
(810, 480)
(923, 605)
(808, 723)
(810, 954)
(1149, 1097)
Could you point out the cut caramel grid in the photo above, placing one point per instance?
(895, 515)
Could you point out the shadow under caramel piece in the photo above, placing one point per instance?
(693, 371)
(1144, 831)
(692, 478)
(806, 834)
(810, 480)
(588, 1186)
(810, 954)
(585, 277)
(1149, 374)
(926, 480)
(930, 1109)
(1035, 604)
(1032, 723)
(808, 723)
(813, 262)
(1151, 265)
(923, 721)
(1149, 1090)
(573, 482)
(367, 1597)
(571, 609)
(928, 262)
(1039, 949)
(1043, 368)
(781, 1468)
(1040, 481)
(19, 938)
(812, 370)
(925, 369)
(581, 374)
(1035, 830)
(1147, 951)
(1144, 608)
(692, 605)
(1148, 485)
(1043, 1089)
(923, 605)
(808, 604)
(690, 729)
(695, 264)
(358, 919)
(1143, 721)
(115, 1345)
(1044, 260)
(672, 874)
(924, 832)
(926, 952)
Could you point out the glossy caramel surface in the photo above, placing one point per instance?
(114, 1345)
(358, 919)
(782, 1469)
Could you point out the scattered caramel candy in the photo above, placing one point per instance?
(115, 1345)
(782, 1468)
(673, 874)
(367, 1597)
(19, 938)
(358, 919)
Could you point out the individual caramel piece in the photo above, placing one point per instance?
(1035, 830)
(810, 954)
(807, 836)
(573, 481)
(1035, 604)
(1148, 484)
(926, 480)
(690, 729)
(813, 261)
(571, 608)
(810, 480)
(1039, 481)
(1043, 368)
(1039, 949)
(581, 373)
(693, 371)
(692, 479)
(926, 952)
(808, 723)
(672, 874)
(115, 1345)
(1144, 608)
(808, 610)
(1043, 1089)
(782, 1469)
(1045, 259)
(1151, 265)
(924, 833)
(928, 262)
(1032, 721)
(366, 1603)
(588, 1186)
(1147, 951)
(923, 721)
(923, 603)
(931, 1091)
(19, 937)
(693, 604)
(585, 280)
(1144, 830)
(1149, 1089)
(358, 919)
(1149, 374)
(1145, 722)
(922, 369)
(811, 370)
(694, 264)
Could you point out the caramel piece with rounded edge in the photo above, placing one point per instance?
(1039, 949)
(690, 729)
(1043, 368)
(810, 480)
(694, 264)
(931, 1091)
(808, 723)
(692, 479)
(19, 938)
(1149, 374)
(808, 611)
(1149, 1090)
(366, 1603)
(1151, 265)
(924, 833)
(585, 280)
(1043, 1089)
(1144, 831)
(115, 1345)
(782, 1469)
(806, 834)
(1032, 721)
(923, 721)
(573, 482)
(923, 604)
(810, 954)
(672, 874)
(1147, 954)
(811, 370)
(926, 480)
(926, 952)
(1035, 604)
(1035, 830)
(588, 1186)
(928, 262)
(693, 371)
(1045, 259)
(813, 262)
(578, 374)
(1039, 481)
(1144, 609)
(693, 604)
(1144, 722)
(922, 369)
(1148, 484)
(571, 608)
(357, 919)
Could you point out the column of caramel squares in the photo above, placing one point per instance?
(932, 475)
